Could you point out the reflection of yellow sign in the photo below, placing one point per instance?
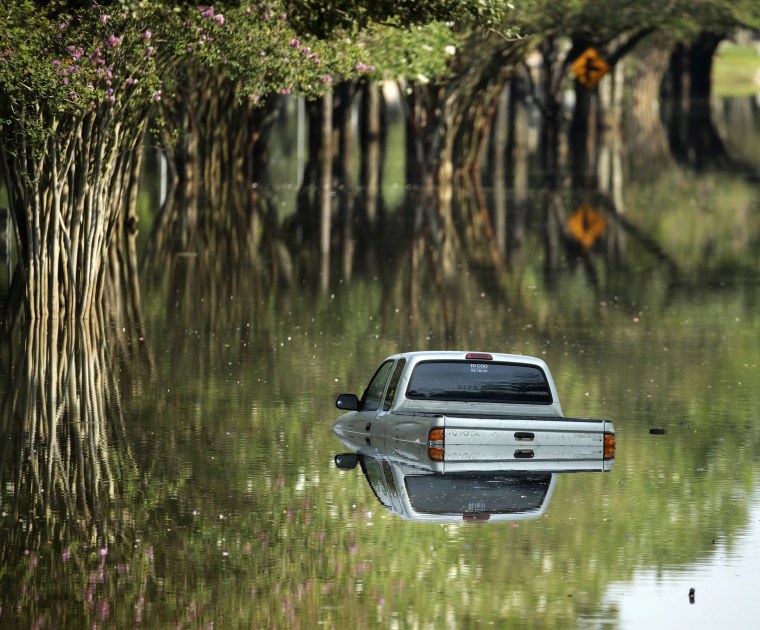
(590, 67)
(586, 225)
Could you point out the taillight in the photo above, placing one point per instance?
(609, 446)
(436, 443)
(479, 356)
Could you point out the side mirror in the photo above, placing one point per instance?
(347, 402)
(346, 461)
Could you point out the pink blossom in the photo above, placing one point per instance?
(219, 19)
(75, 52)
(295, 43)
(112, 41)
(150, 51)
(156, 96)
(206, 12)
(147, 34)
(104, 18)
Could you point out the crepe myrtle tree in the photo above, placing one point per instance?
(75, 89)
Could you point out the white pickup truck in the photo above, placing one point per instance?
(448, 411)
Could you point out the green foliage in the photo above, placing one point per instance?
(421, 52)
(262, 51)
(258, 50)
(595, 21)
(325, 18)
(63, 64)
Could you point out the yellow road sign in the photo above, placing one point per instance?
(586, 225)
(590, 67)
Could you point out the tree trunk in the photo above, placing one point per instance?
(325, 193)
(694, 139)
(65, 202)
(646, 142)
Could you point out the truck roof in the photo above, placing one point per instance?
(469, 355)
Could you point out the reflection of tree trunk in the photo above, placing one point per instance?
(610, 178)
(67, 433)
(556, 217)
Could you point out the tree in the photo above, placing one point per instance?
(75, 93)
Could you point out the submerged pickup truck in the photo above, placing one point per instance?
(454, 411)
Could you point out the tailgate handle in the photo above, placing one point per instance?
(524, 436)
(524, 453)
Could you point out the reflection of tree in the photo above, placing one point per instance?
(70, 483)
(64, 451)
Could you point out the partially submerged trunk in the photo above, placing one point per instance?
(67, 201)
(646, 141)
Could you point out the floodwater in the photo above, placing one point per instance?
(183, 476)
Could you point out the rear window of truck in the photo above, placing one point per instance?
(470, 381)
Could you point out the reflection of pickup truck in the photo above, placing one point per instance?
(459, 411)
(414, 493)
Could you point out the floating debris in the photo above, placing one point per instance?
(656, 431)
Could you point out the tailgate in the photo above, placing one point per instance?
(470, 439)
